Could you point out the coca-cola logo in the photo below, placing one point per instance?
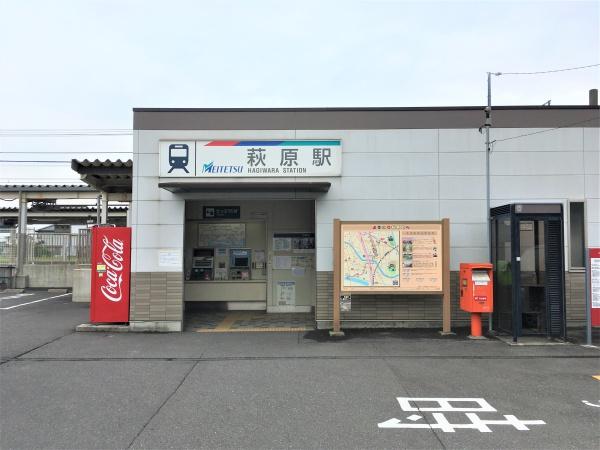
(112, 256)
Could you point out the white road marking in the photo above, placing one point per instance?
(476, 423)
(35, 301)
(443, 405)
(10, 297)
(590, 403)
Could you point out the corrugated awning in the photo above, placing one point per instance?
(106, 176)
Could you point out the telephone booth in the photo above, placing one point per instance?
(529, 273)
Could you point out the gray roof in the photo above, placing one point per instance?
(75, 164)
(107, 175)
(45, 187)
(362, 118)
(62, 208)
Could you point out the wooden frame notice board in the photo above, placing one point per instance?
(402, 258)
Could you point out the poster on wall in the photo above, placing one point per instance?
(294, 242)
(282, 262)
(221, 235)
(286, 293)
(169, 257)
(282, 244)
(391, 257)
(594, 264)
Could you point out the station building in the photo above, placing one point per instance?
(236, 206)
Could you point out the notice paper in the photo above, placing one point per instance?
(169, 257)
(286, 293)
(595, 281)
(282, 244)
(298, 271)
(302, 261)
(259, 256)
(282, 262)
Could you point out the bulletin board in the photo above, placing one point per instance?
(394, 257)
(228, 235)
(403, 258)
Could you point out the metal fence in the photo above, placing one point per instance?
(8, 247)
(47, 248)
(84, 246)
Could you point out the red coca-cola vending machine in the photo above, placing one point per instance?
(111, 268)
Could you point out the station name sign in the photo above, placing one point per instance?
(213, 159)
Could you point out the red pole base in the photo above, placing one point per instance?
(476, 324)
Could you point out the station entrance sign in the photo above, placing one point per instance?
(250, 159)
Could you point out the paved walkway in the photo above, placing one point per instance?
(247, 321)
(295, 390)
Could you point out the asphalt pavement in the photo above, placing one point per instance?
(61, 389)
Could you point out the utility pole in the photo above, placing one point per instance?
(488, 125)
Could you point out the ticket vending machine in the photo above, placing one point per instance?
(202, 264)
(240, 261)
(476, 293)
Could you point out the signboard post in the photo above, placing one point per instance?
(594, 285)
(402, 258)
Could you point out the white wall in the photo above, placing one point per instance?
(431, 174)
(399, 175)
(157, 215)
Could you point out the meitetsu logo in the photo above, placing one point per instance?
(211, 168)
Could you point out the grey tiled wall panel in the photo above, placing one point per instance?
(156, 296)
(427, 310)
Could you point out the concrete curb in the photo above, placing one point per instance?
(102, 328)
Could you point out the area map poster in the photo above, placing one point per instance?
(391, 257)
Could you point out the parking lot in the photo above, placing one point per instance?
(62, 389)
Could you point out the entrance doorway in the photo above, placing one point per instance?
(528, 258)
(249, 257)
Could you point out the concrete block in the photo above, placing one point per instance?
(161, 326)
(102, 328)
(82, 284)
(22, 281)
(49, 275)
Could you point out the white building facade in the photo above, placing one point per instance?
(395, 164)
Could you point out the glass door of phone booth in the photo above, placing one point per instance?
(528, 258)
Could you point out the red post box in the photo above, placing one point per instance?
(476, 292)
(111, 266)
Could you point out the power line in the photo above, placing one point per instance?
(47, 132)
(546, 71)
(70, 153)
(547, 130)
(32, 161)
(9, 135)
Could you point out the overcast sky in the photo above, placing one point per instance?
(86, 64)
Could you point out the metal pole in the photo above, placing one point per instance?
(98, 210)
(104, 216)
(22, 234)
(487, 175)
(588, 300)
